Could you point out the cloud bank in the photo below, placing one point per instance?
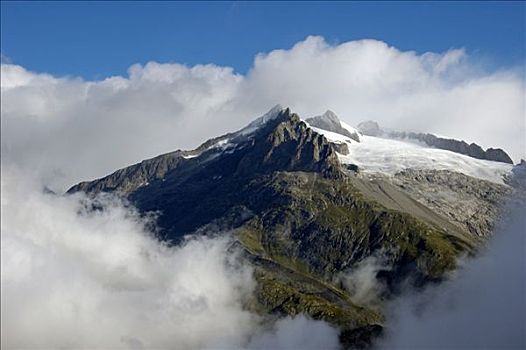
(483, 307)
(68, 129)
(76, 278)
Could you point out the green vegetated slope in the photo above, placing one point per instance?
(300, 218)
(313, 227)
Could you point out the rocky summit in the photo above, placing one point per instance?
(305, 214)
(329, 121)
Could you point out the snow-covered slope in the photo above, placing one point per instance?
(350, 128)
(388, 156)
(333, 136)
(380, 155)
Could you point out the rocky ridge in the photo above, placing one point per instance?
(372, 128)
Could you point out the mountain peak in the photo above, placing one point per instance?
(329, 121)
(277, 141)
(273, 113)
(370, 128)
(330, 115)
(286, 143)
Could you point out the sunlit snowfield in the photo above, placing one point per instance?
(388, 156)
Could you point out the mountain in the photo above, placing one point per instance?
(309, 201)
(372, 128)
(329, 121)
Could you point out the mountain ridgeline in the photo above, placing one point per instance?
(302, 218)
(372, 128)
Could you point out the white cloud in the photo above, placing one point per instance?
(69, 129)
(5, 59)
(100, 280)
(361, 281)
(483, 307)
(74, 278)
(297, 333)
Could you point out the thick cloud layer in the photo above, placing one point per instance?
(74, 278)
(297, 333)
(483, 307)
(69, 129)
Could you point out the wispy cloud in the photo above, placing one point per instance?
(5, 59)
(482, 307)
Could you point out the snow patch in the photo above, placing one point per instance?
(332, 136)
(221, 145)
(387, 156)
(190, 156)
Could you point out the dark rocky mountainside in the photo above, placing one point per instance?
(371, 128)
(302, 219)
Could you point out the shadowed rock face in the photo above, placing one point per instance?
(287, 144)
(128, 179)
(283, 143)
(371, 128)
(498, 155)
(300, 218)
(330, 122)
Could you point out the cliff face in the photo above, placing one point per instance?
(300, 217)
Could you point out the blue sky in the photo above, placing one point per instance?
(98, 39)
